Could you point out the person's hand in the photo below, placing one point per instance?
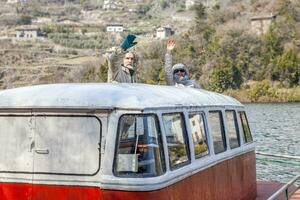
(170, 45)
(128, 42)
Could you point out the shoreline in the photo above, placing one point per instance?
(266, 95)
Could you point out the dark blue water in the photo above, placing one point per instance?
(276, 130)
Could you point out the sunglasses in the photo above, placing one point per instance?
(179, 70)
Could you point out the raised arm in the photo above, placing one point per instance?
(169, 62)
(115, 56)
(114, 59)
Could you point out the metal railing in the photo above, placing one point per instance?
(285, 189)
(279, 156)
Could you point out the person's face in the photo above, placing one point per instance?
(180, 72)
(128, 59)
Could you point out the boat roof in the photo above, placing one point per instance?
(110, 96)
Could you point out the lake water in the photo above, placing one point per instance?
(276, 130)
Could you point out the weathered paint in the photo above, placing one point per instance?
(231, 179)
(228, 175)
(103, 95)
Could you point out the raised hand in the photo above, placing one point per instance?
(128, 42)
(171, 45)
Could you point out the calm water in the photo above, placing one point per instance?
(276, 129)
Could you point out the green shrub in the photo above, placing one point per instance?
(287, 68)
(143, 9)
(164, 4)
(262, 89)
(24, 20)
(226, 76)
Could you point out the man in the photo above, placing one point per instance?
(177, 75)
(124, 72)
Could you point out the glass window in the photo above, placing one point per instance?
(217, 131)
(72, 145)
(232, 128)
(245, 128)
(50, 144)
(139, 148)
(176, 139)
(198, 134)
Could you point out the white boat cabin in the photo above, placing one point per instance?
(130, 137)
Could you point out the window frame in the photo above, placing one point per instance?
(205, 127)
(245, 139)
(116, 146)
(185, 136)
(223, 131)
(236, 125)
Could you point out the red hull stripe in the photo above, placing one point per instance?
(231, 179)
(15, 191)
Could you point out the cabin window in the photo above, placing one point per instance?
(232, 128)
(57, 145)
(198, 134)
(245, 128)
(217, 131)
(176, 139)
(139, 148)
(67, 145)
(16, 136)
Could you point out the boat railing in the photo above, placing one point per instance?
(285, 189)
(292, 183)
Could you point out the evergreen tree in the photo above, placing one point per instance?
(287, 67)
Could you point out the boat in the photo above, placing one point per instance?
(101, 141)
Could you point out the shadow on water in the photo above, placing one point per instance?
(276, 130)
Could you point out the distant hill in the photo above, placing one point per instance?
(216, 41)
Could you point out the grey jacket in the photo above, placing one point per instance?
(169, 69)
(116, 71)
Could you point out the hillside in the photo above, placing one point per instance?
(67, 55)
(216, 42)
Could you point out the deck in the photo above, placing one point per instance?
(265, 189)
(296, 195)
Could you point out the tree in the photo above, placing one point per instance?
(143, 9)
(287, 68)
(220, 79)
(200, 19)
(103, 72)
(164, 4)
(226, 76)
(24, 20)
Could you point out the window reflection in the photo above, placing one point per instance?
(176, 139)
(139, 147)
(198, 134)
(232, 129)
(245, 128)
(217, 131)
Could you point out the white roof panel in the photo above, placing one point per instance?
(105, 95)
